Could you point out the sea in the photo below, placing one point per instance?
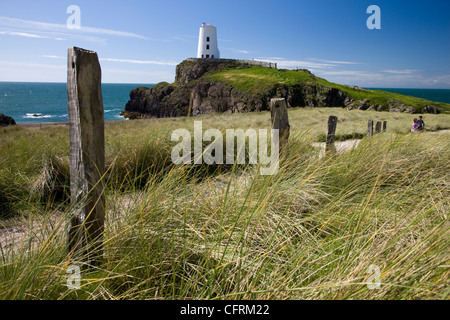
(37, 102)
(436, 95)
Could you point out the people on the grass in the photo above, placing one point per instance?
(415, 125)
(418, 124)
(421, 124)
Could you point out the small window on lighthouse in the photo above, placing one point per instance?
(207, 39)
(207, 47)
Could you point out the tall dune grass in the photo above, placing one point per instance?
(311, 231)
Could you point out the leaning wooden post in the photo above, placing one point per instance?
(331, 134)
(87, 154)
(378, 127)
(384, 126)
(370, 128)
(280, 120)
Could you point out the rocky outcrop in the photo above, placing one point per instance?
(194, 93)
(6, 121)
(203, 96)
(193, 69)
(431, 109)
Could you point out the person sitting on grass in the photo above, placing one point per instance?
(415, 125)
(421, 124)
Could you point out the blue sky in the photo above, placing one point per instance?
(143, 41)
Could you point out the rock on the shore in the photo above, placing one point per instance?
(6, 121)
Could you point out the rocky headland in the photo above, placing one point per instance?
(222, 85)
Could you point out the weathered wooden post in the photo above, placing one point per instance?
(384, 126)
(370, 128)
(378, 127)
(87, 153)
(279, 118)
(331, 134)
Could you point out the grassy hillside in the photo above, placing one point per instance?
(257, 80)
(195, 232)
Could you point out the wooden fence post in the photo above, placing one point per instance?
(331, 134)
(378, 127)
(279, 118)
(384, 126)
(370, 128)
(87, 154)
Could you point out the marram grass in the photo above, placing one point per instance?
(309, 232)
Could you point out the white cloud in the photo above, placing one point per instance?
(57, 71)
(53, 57)
(271, 58)
(240, 51)
(334, 61)
(407, 71)
(43, 27)
(349, 73)
(310, 63)
(22, 34)
(185, 39)
(31, 72)
(445, 79)
(398, 79)
(23, 64)
(133, 61)
(167, 63)
(282, 63)
(236, 50)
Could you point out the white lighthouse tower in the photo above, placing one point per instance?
(207, 42)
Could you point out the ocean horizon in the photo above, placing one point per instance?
(46, 102)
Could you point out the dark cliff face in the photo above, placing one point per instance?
(312, 96)
(194, 94)
(160, 101)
